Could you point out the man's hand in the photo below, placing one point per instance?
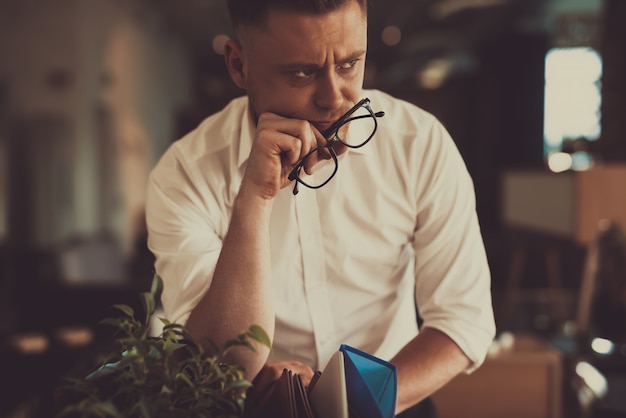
(241, 292)
(271, 372)
(263, 384)
(279, 144)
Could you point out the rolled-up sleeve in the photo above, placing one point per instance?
(182, 238)
(453, 280)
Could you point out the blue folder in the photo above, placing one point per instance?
(371, 384)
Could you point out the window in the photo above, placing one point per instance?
(572, 100)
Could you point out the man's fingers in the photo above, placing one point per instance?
(322, 151)
(300, 130)
(280, 144)
(271, 372)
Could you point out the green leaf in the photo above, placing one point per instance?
(258, 334)
(148, 304)
(157, 286)
(107, 409)
(165, 376)
(238, 343)
(126, 309)
(111, 321)
(184, 378)
(237, 384)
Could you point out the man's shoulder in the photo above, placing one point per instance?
(215, 132)
(400, 112)
(221, 123)
(380, 98)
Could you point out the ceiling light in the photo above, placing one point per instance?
(559, 162)
(218, 43)
(391, 35)
(445, 9)
(435, 74)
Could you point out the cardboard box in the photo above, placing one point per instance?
(522, 381)
(568, 205)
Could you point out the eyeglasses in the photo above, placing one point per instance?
(364, 125)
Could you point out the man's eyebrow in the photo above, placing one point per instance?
(294, 66)
(352, 56)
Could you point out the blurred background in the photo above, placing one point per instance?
(92, 92)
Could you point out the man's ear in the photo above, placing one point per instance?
(235, 62)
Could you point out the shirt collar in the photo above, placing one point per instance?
(246, 136)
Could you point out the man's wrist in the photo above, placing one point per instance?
(251, 202)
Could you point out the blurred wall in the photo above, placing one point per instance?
(90, 92)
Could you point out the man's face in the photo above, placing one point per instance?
(304, 66)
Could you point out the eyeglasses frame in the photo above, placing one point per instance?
(331, 136)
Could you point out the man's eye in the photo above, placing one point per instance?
(302, 73)
(348, 65)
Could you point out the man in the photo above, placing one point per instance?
(342, 263)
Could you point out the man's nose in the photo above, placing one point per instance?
(328, 95)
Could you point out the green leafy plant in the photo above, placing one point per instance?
(165, 376)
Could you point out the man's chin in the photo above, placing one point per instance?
(321, 126)
(339, 148)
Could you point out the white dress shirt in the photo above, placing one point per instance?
(396, 225)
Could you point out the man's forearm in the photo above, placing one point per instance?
(240, 294)
(425, 364)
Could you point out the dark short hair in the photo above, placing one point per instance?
(254, 12)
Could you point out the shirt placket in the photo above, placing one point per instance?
(315, 286)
